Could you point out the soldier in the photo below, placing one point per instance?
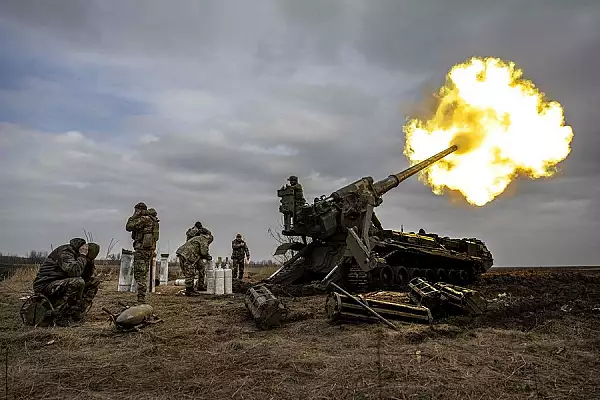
(155, 233)
(198, 229)
(292, 198)
(239, 250)
(66, 278)
(190, 254)
(155, 226)
(141, 226)
(201, 264)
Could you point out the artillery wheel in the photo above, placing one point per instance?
(471, 275)
(453, 276)
(463, 277)
(430, 276)
(37, 310)
(414, 273)
(386, 277)
(442, 275)
(401, 276)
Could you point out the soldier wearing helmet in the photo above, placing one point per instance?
(66, 278)
(292, 199)
(239, 250)
(200, 267)
(197, 229)
(141, 226)
(190, 256)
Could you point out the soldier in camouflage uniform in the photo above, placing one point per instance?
(195, 230)
(190, 254)
(66, 278)
(292, 198)
(141, 226)
(155, 232)
(155, 225)
(198, 229)
(239, 250)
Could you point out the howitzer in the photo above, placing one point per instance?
(347, 242)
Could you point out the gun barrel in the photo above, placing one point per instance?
(394, 180)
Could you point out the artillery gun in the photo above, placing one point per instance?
(343, 241)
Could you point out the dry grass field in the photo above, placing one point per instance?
(539, 340)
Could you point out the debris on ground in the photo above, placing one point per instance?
(424, 302)
(502, 298)
(566, 308)
(340, 307)
(266, 310)
(131, 319)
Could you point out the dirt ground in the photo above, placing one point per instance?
(540, 339)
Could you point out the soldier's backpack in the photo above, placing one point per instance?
(37, 310)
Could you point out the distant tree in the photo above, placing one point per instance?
(37, 257)
(281, 239)
(111, 245)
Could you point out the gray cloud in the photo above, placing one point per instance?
(237, 98)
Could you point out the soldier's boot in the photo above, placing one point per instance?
(68, 317)
(189, 291)
(64, 321)
(77, 312)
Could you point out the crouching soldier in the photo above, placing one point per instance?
(190, 255)
(66, 278)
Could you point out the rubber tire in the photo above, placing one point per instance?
(402, 275)
(442, 275)
(413, 273)
(386, 277)
(429, 275)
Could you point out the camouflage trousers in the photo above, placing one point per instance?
(200, 269)
(189, 272)
(71, 297)
(141, 264)
(237, 266)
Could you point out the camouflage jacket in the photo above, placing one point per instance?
(298, 194)
(155, 228)
(196, 248)
(240, 249)
(292, 198)
(141, 227)
(193, 231)
(89, 271)
(63, 262)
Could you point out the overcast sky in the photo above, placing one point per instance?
(202, 109)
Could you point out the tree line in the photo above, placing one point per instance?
(37, 257)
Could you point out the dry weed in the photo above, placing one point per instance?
(210, 348)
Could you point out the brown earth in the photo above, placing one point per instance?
(538, 340)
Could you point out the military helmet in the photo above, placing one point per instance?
(198, 224)
(93, 250)
(152, 212)
(141, 206)
(76, 243)
(293, 178)
(238, 236)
